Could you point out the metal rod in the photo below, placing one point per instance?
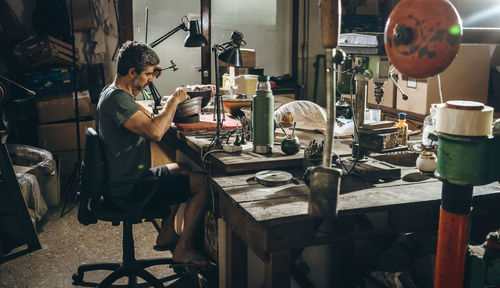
(146, 25)
(330, 107)
(168, 34)
(360, 104)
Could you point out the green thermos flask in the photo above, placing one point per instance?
(263, 117)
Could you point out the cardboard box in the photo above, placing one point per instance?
(67, 159)
(465, 79)
(247, 58)
(62, 136)
(44, 50)
(50, 186)
(62, 107)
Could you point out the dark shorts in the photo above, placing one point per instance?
(173, 188)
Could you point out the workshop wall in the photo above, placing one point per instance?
(361, 15)
(163, 17)
(98, 41)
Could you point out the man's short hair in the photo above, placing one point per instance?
(136, 55)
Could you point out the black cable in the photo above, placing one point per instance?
(118, 30)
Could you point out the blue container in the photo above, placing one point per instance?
(50, 81)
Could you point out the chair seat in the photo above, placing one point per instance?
(112, 213)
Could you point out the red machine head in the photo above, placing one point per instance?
(422, 37)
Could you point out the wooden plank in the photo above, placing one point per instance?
(264, 207)
(160, 154)
(222, 252)
(250, 231)
(60, 43)
(237, 262)
(206, 51)
(262, 193)
(279, 210)
(294, 234)
(277, 269)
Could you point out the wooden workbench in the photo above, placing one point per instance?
(194, 145)
(274, 220)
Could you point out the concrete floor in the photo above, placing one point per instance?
(66, 244)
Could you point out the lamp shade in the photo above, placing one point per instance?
(195, 38)
(232, 56)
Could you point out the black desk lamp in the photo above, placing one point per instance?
(228, 52)
(194, 39)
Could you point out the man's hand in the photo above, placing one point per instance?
(179, 95)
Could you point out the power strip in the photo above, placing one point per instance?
(232, 148)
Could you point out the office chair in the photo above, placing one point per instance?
(93, 188)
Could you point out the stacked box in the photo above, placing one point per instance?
(44, 50)
(62, 107)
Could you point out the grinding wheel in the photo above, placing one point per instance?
(273, 177)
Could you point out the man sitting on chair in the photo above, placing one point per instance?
(123, 128)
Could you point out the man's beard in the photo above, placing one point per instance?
(137, 88)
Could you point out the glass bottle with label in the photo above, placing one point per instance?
(402, 129)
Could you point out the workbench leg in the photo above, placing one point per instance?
(277, 269)
(236, 260)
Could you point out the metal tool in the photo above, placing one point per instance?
(324, 181)
(273, 177)
(466, 157)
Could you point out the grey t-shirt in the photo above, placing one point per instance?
(124, 150)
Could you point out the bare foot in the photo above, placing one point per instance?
(190, 256)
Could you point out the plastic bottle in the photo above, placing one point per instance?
(263, 117)
(429, 126)
(402, 129)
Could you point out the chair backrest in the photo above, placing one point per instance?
(94, 167)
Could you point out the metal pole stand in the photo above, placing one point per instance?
(73, 181)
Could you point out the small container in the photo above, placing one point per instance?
(290, 145)
(263, 117)
(427, 162)
(402, 129)
(429, 126)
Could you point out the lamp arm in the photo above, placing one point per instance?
(181, 26)
(222, 47)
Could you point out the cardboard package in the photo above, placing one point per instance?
(465, 79)
(62, 107)
(50, 185)
(68, 159)
(62, 136)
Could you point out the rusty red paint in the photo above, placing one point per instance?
(432, 58)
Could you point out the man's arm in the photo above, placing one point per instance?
(155, 128)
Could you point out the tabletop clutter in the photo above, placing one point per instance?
(261, 122)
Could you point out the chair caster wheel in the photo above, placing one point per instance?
(77, 278)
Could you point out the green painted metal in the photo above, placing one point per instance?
(468, 160)
(263, 117)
